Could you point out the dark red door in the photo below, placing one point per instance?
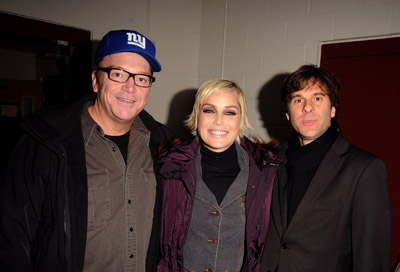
(369, 114)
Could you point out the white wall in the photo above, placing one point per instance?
(254, 42)
(175, 27)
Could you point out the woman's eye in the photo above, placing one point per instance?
(230, 113)
(208, 110)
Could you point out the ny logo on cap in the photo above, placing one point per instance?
(136, 39)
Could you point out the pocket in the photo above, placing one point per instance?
(149, 177)
(150, 191)
(327, 206)
(99, 203)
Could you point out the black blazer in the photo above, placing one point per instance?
(343, 222)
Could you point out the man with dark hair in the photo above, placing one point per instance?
(330, 207)
(80, 193)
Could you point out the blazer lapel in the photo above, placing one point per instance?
(326, 171)
(279, 206)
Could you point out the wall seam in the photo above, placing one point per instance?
(224, 39)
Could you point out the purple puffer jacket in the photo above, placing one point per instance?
(178, 171)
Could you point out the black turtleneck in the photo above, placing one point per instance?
(219, 170)
(303, 162)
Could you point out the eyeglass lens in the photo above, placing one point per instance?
(122, 76)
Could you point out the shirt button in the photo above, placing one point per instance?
(114, 149)
(129, 201)
(131, 229)
(284, 246)
(212, 241)
(131, 256)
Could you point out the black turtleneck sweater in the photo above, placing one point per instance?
(303, 162)
(219, 170)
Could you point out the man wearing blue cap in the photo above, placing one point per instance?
(80, 193)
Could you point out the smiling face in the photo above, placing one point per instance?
(219, 120)
(118, 104)
(310, 112)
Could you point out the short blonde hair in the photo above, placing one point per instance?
(212, 86)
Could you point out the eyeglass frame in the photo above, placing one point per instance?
(109, 69)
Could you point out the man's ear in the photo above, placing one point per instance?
(287, 116)
(94, 81)
(333, 112)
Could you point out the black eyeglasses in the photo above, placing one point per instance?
(122, 76)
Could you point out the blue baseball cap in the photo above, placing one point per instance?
(117, 41)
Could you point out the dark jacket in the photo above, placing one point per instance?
(44, 193)
(343, 222)
(178, 171)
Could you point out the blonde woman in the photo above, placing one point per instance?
(217, 188)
